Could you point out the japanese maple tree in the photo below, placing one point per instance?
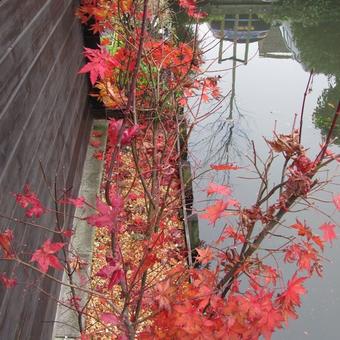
(143, 284)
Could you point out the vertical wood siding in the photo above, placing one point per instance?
(44, 124)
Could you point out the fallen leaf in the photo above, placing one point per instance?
(97, 133)
(95, 143)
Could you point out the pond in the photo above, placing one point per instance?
(263, 54)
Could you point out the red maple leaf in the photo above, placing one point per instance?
(29, 201)
(307, 257)
(291, 297)
(229, 231)
(328, 232)
(270, 274)
(292, 253)
(214, 212)
(45, 258)
(101, 63)
(127, 136)
(7, 282)
(106, 215)
(336, 201)
(303, 230)
(205, 255)
(126, 59)
(294, 290)
(162, 295)
(112, 272)
(214, 188)
(317, 240)
(227, 166)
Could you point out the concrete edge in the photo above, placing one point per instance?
(81, 243)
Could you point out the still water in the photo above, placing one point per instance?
(263, 54)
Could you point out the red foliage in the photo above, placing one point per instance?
(205, 255)
(216, 211)
(29, 201)
(231, 292)
(214, 188)
(107, 216)
(127, 135)
(45, 258)
(110, 319)
(191, 7)
(100, 63)
(7, 282)
(328, 232)
(291, 297)
(112, 272)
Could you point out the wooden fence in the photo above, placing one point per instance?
(44, 128)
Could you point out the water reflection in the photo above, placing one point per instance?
(264, 53)
(314, 27)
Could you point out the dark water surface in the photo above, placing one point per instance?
(263, 54)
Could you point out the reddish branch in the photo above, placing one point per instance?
(304, 102)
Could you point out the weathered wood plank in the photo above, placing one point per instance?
(42, 117)
(16, 64)
(21, 108)
(31, 238)
(23, 12)
(45, 113)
